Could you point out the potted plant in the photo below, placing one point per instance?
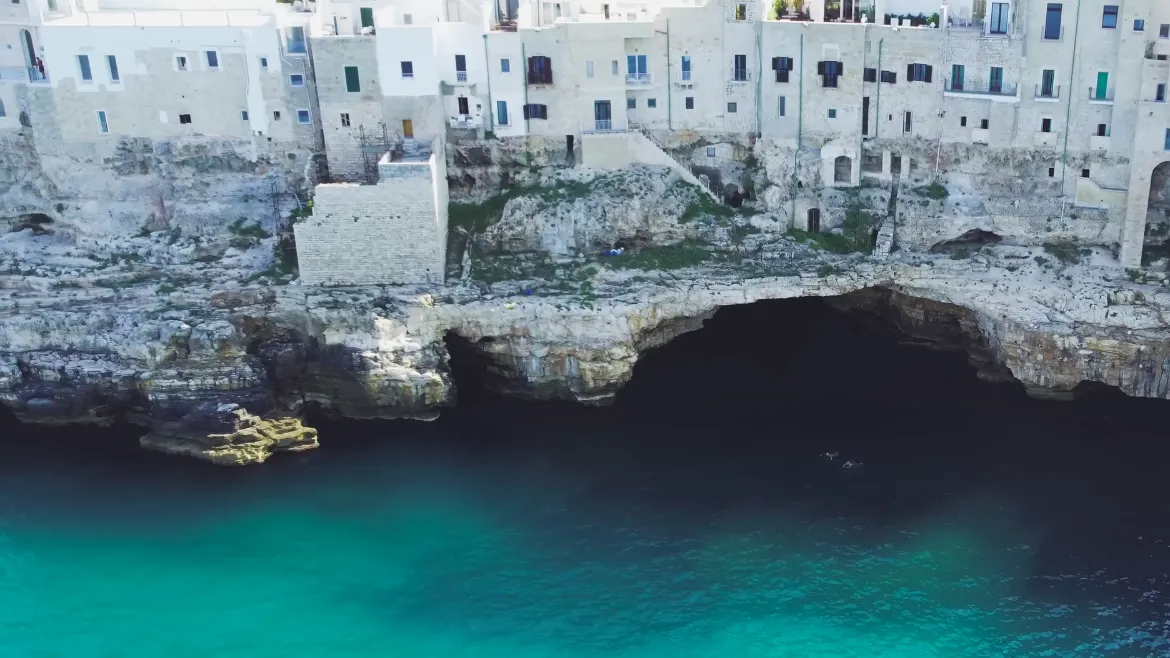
(798, 7)
(780, 8)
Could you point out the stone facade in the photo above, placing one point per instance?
(391, 232)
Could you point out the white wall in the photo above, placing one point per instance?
(411, 44)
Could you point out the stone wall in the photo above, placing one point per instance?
(392, 232)
(346, 114)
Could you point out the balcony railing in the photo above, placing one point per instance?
(1101, 95)
(686, 76)
(741, 75)
(461, 76)
(639, 78)
(603, 126)
(980, 87)
(1048, 92)
(22, 74)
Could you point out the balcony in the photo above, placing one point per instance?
(1100, 96)
(1098, 142)
(740, 76)
(22, 74)
(1048, 94)
(461, 76)
(1000, 91)
(639, 79)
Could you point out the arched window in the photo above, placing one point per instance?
(842, 169)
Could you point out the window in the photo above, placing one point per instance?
(1160, 93)
(1166, 145)
(303, 117)
(1047, 80)
(651, 102)
(1164, 31)
(1102, 130)
(614, 67)
(1052, 172)
(710, 151)
(631, 103)
(1046, 125)
(184, 118)
(212, 59)
(732, 108)
(1139, 25)
(505, 66)
(276, 115)
(829, 72)
(833, 113)
(984, 124)
(180, 63)
(889, 77)
(1109, 17)
(535, 111)
(296, 40)
(344, 120)
(112, 63)
(907, 123)
(919, 73)
(244, 115)
(690, 102)
(1084, 173)
(1101, 91)
(464, 110)
(296, 80)
(588, 69)
(1052, 21)
(685, 76)
(780, 107)
(83, 64)
(637, 69)
(999, 18)
(958, 72)
(366, 15)
(741, 12)
(103, 125)
(407, 69)
(870, 75)
(995, 83)
(461, 64)
(782, 66)
(263, 62)
(963, 122)
(739, 69)
(353, 81)
(502, 113)
(540, 71)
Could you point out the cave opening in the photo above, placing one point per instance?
(1156, 240)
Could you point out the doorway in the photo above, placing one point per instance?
(814, 220)
(569, 145)
(895, 165)
(865, 115)
(408, 129)
(30, 53)
(602, 116)
(463, 108)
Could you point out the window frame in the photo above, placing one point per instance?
(308, 117)
(296, 75)
(84, 68)
(356, 80)
(103, 119)
(1110, 13)
(112, 68)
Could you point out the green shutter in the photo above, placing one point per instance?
(367, 16)
(352, 83)
(1102, 85)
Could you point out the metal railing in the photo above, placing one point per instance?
(741, 75)
(22, 74)
(639, 78)
(461, 76)
(686, 76)
(1047, 92)
(603, 126)
(1105, 95)
(980, 87)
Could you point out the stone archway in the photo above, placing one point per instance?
(1156, 236)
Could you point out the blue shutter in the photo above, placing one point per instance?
(502, 113)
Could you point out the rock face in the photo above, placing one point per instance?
(227, 435)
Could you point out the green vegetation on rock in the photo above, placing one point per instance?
(1066, 251)
(934, 191)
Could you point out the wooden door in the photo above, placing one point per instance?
(408, 128)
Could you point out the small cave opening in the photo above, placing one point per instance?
(39, 223)
(973, 239)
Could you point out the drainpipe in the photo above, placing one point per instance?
(669, 95)
(877, 124)
(487, 63)
(524, 72)
(799, 129)
(1068, 110)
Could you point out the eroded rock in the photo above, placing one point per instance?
(226, 434)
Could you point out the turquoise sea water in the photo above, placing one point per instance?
(696, 519)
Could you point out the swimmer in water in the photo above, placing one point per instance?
(851, 464)
(831, 455)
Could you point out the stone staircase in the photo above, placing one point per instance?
(415, 151)
(666, 158)
(885, 237)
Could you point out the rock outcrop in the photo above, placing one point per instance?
(227, 435)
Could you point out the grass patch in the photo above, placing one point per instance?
(856, 234)
(935, 191)
(705, 205)
(1065, 251)
(477, 217)
(301, 212)
(241, 228)
(669, 257)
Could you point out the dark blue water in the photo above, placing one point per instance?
(695, 519)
